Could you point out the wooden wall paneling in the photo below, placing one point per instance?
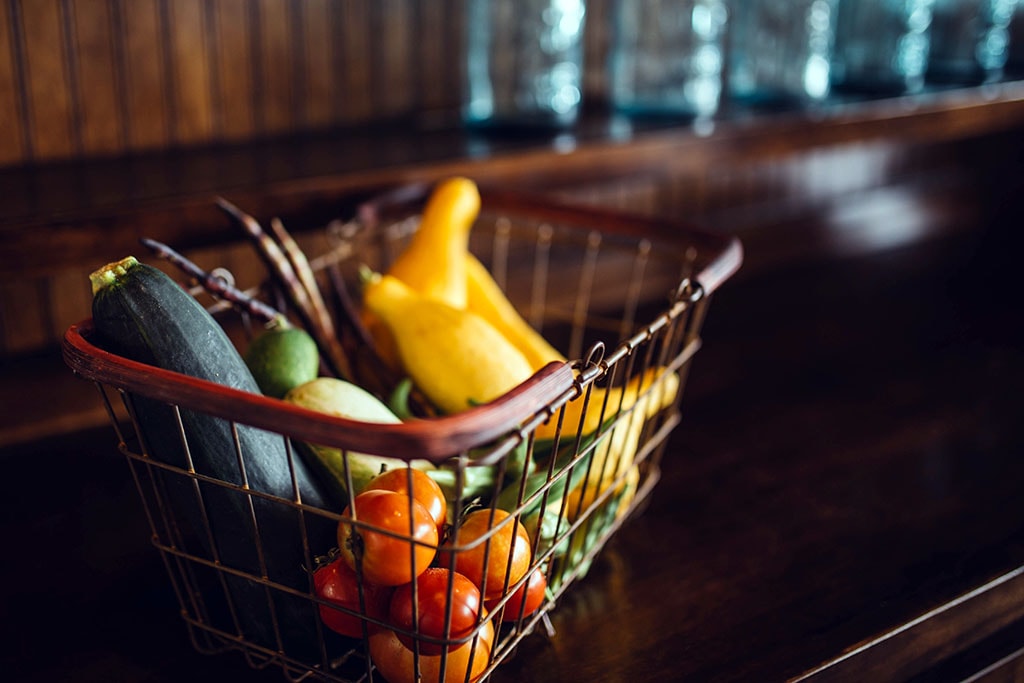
(437, 50)
(97, 81)
(315, 62)
(49, 105)
(147, 106)
(187, 44)
(232, 74)
(274, 80)
(353, 63)
(392, 37)
(13, 145)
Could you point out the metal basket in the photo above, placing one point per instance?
(623, 295)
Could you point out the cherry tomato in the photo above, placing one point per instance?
(432, 600)
(526, 600)
(397, 662)
(388, 560)
(501, 558)
(336, 583)
(424, 489)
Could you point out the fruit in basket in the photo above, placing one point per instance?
(491, 548)
(281, 358)
(464, 663)
(336, 583)
(341, 398)
(388, 538)
(441, 596)
(486, 298)
(419, 485)
(141, 313)
(526, 600)
(434, 261)
(455, 357)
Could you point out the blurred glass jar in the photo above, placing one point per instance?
(524, 62)
(1015, 53)
(780, 51)
(882, 45)
(666, 57)
(970, 40)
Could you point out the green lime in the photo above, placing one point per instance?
(282, 358)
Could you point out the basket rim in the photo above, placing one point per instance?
(436, 439)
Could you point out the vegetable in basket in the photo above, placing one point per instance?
(282, 357)
(141, 313)
(456, 358)
(342, 398)
(486, 299)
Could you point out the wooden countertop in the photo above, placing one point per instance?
(840, 502)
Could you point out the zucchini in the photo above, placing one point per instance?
(141, 313)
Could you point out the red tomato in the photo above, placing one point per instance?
(524, 601)
(397, 662)
(424, 489)
(432, 600)
(336, 583)
(502, 559)
(388, 560)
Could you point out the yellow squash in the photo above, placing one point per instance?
(662, 384)
(486, 298)
(434, 261)
(455, 357)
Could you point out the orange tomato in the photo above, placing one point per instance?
(385, 559)
(491, 551)
(424, 489)
(524, 601)
(397, 662)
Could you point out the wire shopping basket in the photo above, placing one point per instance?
(560, 461)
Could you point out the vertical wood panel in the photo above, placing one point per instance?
(354, 60)
(317, 63)
(429, 67)
(147, 123)
(12, 141)
(192, 109)
(48, 91)
(99, 119)
(275, 88)
(394, 88)
(231, 38)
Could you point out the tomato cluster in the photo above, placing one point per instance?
(434, 594)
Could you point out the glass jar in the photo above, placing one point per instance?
(524, 63)
(666, 57)
(781, 50)
(882, 45)
(970, 40)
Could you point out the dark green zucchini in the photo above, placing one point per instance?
(141, 313)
